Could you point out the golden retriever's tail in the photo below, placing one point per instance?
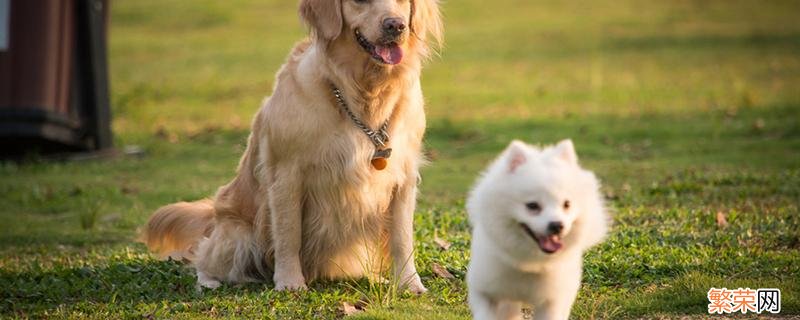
(174, 231)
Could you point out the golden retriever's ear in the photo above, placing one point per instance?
(323, 16)
(426, 21)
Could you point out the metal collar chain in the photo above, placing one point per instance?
(379, 138)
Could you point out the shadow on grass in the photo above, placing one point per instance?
(628, 152)
(53, 238)
(622, 138)
(161, 289)
(37, 290)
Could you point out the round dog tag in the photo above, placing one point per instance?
(379, 163)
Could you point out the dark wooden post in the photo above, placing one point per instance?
(53, 77)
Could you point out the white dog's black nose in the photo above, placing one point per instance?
(394, 26)
(555, 227)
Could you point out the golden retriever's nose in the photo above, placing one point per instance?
(394, 26)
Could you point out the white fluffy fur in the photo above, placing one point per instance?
(508, 269)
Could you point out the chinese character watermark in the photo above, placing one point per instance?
(720, 300)
(769, 300)
(744, 300)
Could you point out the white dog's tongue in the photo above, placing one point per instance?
(550, 244)
(391, 54)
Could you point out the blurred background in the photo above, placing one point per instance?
(688, 110)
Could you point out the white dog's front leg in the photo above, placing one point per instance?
(285, 195)
(482, 307)
(564, 285)
(402, 238)
(509, 310)
(550, 311)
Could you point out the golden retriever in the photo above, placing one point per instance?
(308, 201)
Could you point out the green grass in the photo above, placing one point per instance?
(683, 108)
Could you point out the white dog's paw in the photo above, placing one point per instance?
(414, 285)
(290, 283)
(206, 281)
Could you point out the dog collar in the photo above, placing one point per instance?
(379, 138)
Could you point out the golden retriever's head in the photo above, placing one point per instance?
(385, 30)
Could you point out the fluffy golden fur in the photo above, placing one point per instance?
(306, 203)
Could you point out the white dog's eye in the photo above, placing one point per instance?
(566, 204)
(533, 206)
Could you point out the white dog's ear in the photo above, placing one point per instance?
(324, 17)
(515, 155)
(566, 151)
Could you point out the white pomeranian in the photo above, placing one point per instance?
(533, 214)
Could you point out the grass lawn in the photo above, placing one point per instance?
(686, 109)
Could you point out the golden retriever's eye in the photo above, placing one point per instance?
(362, 1)
(566, 204)
(533, 206)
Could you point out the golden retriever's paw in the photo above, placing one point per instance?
(206, 281)
(290, 283)
(415, 285)
(290, 286)
(378, 279)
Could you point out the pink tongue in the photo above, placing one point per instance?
(390, 55)
(550, 244)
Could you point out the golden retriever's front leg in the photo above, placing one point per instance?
(285, 194)
(402, 238)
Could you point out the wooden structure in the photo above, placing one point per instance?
(53, 77)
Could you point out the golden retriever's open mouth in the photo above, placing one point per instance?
(548, 244)
(387, 53)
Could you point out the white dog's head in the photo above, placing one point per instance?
(539, 199)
